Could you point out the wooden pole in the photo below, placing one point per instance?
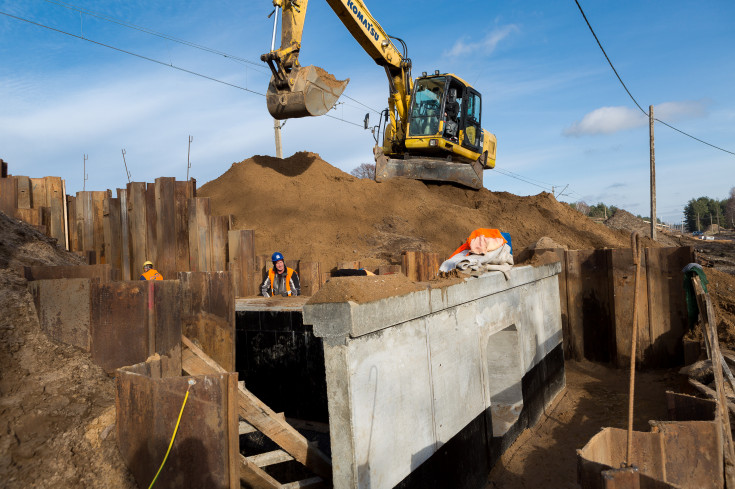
(653, 174)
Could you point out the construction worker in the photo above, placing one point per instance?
(281, 280)
(149, 273)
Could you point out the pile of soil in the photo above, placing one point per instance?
(57, 408)
(626, 221)
(310, 210)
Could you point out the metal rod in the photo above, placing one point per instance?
(275, 24)
(188, 161)
(126, 166)
(276, 124)
(636, 249)
(653, 174)
(86, 177)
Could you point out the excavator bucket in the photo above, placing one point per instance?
(311, 91)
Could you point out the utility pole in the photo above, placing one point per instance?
(86, 177)
(188, 161)
(276, 124)
(653, 174)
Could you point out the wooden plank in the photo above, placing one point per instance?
(666, 304)
(241, 249)
(310, 483)
(389, 269)
(55, 198)
(39, 197)
(182, 194)
(218, 243)
(98, 229)
(137, 227)
(709, 322)
(8, 195)
(24, 192)
(622, 270)
(253, 476)
(258, 414)
(122, 194)
(269, 458)
(71, 219)
(429, 266)
(166, 226)
(151, 227)
(348, 265)
(113, 232)
(208, 314)
(410, 265)
(309, 272)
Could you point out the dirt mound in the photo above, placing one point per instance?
(57, 409)
(310, 210)
(626, 221)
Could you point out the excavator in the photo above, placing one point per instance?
(432, 126)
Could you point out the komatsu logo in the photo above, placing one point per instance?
(363, 20)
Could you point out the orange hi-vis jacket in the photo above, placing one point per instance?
(272, 277)
(488, 233)
(151, 274)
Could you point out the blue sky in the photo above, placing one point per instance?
(560, 115)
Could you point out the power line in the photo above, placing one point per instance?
(106, 18)
(132, 54)
(631, 95)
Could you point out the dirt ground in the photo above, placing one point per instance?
(57, 408)
(596, 396)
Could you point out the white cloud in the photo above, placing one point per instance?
(484, 47)
(608, 120)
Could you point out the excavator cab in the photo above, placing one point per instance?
(444, 139)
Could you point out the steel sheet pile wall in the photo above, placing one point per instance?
(120, 323)
(597, 289)
(206, 452)
(37, 201)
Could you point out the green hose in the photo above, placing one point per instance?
(173, 437)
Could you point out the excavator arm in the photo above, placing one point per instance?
(296, 91)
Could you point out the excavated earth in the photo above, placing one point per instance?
(57, 408)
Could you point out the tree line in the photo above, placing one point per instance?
(703, 212)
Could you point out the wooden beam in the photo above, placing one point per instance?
(253, 476)
(270, 458)
(311, 483)
(254, 411)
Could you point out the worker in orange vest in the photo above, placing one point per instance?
(149, 273)
(281, 280)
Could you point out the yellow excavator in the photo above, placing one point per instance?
(431, 128)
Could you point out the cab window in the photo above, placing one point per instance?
(426, 109)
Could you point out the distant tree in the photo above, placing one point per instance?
(365, 170)
(700, 213)
(730, 210)
(602, 210)
(582, 207)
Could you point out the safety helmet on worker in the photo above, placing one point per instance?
(276, 257)
(147, 263)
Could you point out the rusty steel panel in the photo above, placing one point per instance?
(623, 270)
(241, 247)
(55, 201)
(683, 455)
(591, 324)
(666, 304)
(208, 314)
(689, 408)
(8, 195)
(151, 220)
(167, 323)
(122, 194)
(119, 324)
(24, 192)
(137, 227)
(63, 308)
(205, 447)
(113, 232)
(166, 226)
(105, 273)
(183, 191)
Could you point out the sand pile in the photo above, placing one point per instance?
(57, 409)
(310, 210)
(626, 221)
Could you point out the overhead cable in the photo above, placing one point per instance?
(631, 95)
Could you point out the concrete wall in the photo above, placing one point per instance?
(427, 389)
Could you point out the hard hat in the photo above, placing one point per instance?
(148, 263)
(276, 257)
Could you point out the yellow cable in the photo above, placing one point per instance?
(172, 437)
